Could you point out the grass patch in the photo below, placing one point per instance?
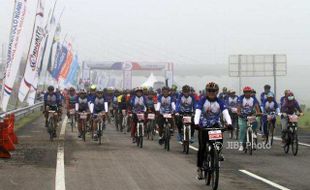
(27, 120)
(304, 121)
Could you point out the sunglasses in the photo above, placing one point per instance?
(211, 90)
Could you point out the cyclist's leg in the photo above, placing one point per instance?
(265, 123)
(242, 130)
(284, 128)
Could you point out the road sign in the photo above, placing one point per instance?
(257, 66)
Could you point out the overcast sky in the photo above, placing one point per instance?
(181, 31)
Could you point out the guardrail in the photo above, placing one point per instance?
(22, 112)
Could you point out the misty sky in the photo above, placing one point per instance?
(181, 31)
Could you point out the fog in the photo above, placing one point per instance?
(187, 33)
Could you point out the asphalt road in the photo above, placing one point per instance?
(119, 164)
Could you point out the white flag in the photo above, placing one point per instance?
(15, 50)
(33, 57)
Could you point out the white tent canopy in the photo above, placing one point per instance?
(150, 81)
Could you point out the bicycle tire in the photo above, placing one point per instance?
(216, 170)
(250, 143)
(294, 142)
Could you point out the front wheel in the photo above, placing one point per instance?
(294, 143)
(250, 142)
(215, 169)
(167, 137)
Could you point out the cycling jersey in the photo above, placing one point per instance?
(185, 104)
(289, 107)
(100, 105)
(82, 104)
(138, 104)
(52, 100)
(232, 102)
(165, 104)
(247, 105)
(210, 112)
(269, 107)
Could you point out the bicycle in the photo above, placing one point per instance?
(211, 163)
(291, 136)
(100, 125)
(234, 117)
(251, 137)
(51, 123)
(167, 132)
(270, 127)
(187, 121)
(83, 119)
(140, 129)
(71, 118)
(150, 129)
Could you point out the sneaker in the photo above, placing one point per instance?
(199, 174)
(192, 140)
(160, 140)
(221, 158)
(241, 148)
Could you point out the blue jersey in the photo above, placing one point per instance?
(99, 105)
(269, 106)
(150, 103)
(185, 104)
(165, 104)
(232, 102)
(83, 104)
(91, 98)
(52, 100)
(247, 105)
(210, 111)
(138, 104)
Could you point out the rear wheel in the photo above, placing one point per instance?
(294, 143)
(51, 128)
(250, 142)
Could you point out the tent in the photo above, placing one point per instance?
(150, 81)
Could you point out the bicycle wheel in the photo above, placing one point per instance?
(271, 132)
(215, 168)
(84, 130)
(186, 145)
(294, 142)
(250, 142)
(50, 128)
(71, 123)
(141, 136)
(167, 140)
(209, 167)
(99, 131)
(287, 143)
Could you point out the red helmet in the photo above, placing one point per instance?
(247, 89)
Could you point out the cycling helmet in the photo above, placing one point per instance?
(93, 87)
(50, 88)
(247, 89)
(174, 87)
(212, 86)
(139, 89)
(71, 89)
(224, 89)
(165, 88)
(232, 91)
(270, 95)
(186, 88)
(82, 91)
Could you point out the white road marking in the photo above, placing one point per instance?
(191, 147)
(60, 167)
(280, 139)
(264, 180)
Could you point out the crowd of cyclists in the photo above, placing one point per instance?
(208, 108)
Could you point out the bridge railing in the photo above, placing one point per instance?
(23, 112)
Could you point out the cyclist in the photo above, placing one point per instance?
(100, 105)
(185, 105)
(248, 106)
(115, 108)
(289, 107)
(165, 104)
(286, 93)
(92, 94)
(268, 106)
(138, 105)
(223, 96)
(264, 94)
(70, 100)
(81, 105)
(232, 104)
(52, 101)
(207, 114)
(174, 94)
